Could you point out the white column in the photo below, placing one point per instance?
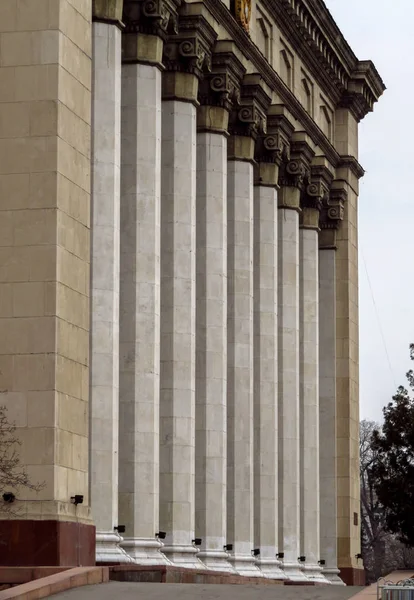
(211, 347)
(240, 365)
(327, 409)
(265, 372)
(140, 311)
(104, 385)
(288, 369)
(177, 409)
(309, 392)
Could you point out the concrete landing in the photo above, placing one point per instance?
(188, 591)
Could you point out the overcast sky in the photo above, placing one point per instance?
(382, 31)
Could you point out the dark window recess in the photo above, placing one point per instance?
(355, 518)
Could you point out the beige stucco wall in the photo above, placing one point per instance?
(45, 115)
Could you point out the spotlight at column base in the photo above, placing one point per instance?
(108, 549)
(244, 564)
(183, 556)
(270, 568)
(293, 571)
(145, 551)
(216, 560)
(332, 575)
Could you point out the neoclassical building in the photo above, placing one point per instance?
(179, 283)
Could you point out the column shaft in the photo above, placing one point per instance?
(140, 310)
(327, 412)
(309, 395)
(211, 348)
(177, 422)
(240, 366)
(105, 288)
(288, 368)
(265, 379)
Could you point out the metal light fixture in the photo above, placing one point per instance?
(358, 556)
(197, 541)
(302, 558)
(77, 499)
(321, 562)
(280, 555)
(256, 552)
(228, 547)
(161, 535)
(120, 528)
(9, 497)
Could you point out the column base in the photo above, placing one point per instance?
(54, 543)
(293, 572)
(314, 574)
(216, 560)
(145, 551)
(332, 575)
(108, 549)
(270, 568)
(352, 576)
(183, 556)
(244, 565)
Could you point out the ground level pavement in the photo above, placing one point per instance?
(188, 591)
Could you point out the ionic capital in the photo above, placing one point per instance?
(333, 206)
(313, 194)
(189, 50)
(295, 169)
(274, 145)
(109, 11)
(249, 118)
(150, 17)
(221, 87)
(317, 187)
(147, 23)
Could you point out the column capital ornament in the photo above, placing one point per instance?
(221, 87)
(189, 50)
(151, 17)
(295, 170)
(317, 187)
(249, 118)
(333, 207)
(274, 146)
(107, 10)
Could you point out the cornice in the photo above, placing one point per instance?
(301, 30)
(250, 51)
(351, 163)
(309, 27)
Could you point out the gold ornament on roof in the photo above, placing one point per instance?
(243, 13)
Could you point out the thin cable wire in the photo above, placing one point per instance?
(378, 317)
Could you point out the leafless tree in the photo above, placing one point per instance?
(13, 475)
(382, 552)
